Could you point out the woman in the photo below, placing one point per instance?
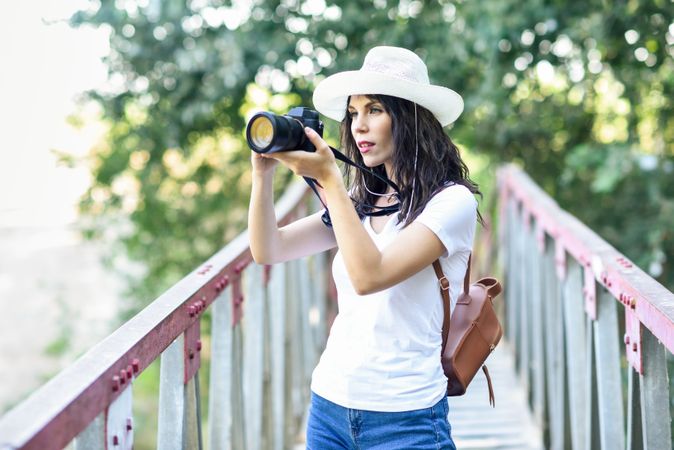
(379, 383)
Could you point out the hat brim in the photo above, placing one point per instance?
(331, 94)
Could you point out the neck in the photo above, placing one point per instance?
(388, 167)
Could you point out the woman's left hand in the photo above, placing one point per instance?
(319, 165)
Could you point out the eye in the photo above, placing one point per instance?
(375, 110)
(352, 114)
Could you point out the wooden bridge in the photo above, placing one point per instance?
(583, 365)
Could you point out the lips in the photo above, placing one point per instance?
(365, 146)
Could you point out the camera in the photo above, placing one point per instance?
(269, 133)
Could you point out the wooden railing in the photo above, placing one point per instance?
(584, 322)
(571, 300)
(260, 361)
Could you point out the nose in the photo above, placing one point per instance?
(359, 123)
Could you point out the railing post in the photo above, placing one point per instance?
(576, 355)
(538, 303)
(119, 423)
(556, 351)
(509, 271)
(654, 384)
(254, 351)
(591, 401)
(179, 415)
(93, 437)
(192, 423)
(513, 297)
(276, 295)
(306, 301)
(552, 357)
(526, 292)
(318, 300)
(267, 431)
(220, 390)
(238, 411)
(634, 431)
(522, 307)
(296, 376)
(609, 387)
(192, 355)
(170, 433)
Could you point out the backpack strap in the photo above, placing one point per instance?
(492, 401)
(444, 291)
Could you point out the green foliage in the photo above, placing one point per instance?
(578, 93)
(632, 198)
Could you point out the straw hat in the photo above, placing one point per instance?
(390, 71)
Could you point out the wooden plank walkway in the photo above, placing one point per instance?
(509, 426)
(478, 426)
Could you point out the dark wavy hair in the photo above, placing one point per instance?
(439, 162)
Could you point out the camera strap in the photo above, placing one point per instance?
(380, 210)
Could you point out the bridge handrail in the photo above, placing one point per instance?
(651, 301)
(565, 287)
(67, 404)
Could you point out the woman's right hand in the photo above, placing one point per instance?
(262, 164)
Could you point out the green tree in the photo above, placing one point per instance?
(578, 93)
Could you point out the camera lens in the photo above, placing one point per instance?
(268, 133)
(261, 131)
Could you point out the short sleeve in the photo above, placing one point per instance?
(452, 215)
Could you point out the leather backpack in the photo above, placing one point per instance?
(471, 333)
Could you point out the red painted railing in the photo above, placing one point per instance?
(565, 287)
(90, 401)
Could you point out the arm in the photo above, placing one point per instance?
(369, 269)
(268, 243)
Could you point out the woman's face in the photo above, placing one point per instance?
(371, 130)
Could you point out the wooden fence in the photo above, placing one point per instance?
(268, 329)
(589, 327)
(591, 333)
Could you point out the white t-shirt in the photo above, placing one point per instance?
(383, 352)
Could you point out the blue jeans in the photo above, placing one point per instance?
(331, 427)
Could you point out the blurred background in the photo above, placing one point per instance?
(124, 165)
(57, 295)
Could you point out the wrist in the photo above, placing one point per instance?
(263, 176)
(332, 178)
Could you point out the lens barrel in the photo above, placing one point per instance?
(269, 133)
(261, 132)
